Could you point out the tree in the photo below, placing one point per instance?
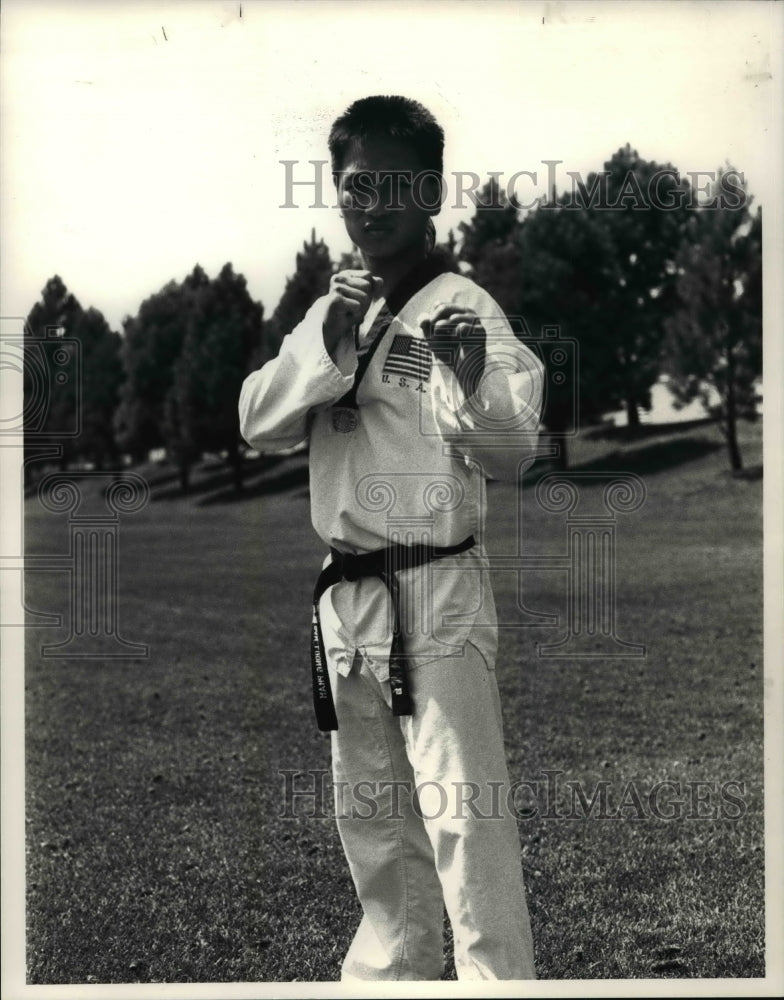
(350, 261)
(596, 261)
(489, 245)
(72, 376)
(179, 424)
(186, 354)
(151, 345)
(568, 266)
(446, 252)
(102, 377)
(715, 334)
(494, 223)
(52, 369)
(310, 281)
(223, 327)
(644, 207)
(550, 269)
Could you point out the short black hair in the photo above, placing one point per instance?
(393, 117)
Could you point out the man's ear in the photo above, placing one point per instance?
(336, 181)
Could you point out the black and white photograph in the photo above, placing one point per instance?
(391, 464)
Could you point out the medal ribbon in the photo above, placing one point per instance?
(382, 563)
(414, 281)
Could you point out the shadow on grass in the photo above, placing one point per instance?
(652, 458)
(649, 459)
(208, 479)
(295, 477)
(164, 480)
(609, 432)
(213, 482)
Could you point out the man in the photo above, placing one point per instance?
(410, 388)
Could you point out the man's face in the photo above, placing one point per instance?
(384, 191)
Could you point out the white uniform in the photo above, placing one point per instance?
(413, 471)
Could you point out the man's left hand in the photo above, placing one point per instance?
(456, 336)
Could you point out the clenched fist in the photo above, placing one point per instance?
(456, 336)
(350, 295)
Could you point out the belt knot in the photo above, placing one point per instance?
(350, 567)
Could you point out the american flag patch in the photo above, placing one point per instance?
(409, 356)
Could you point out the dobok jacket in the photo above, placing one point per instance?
(412, 470)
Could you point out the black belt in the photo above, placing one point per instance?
(384, 564)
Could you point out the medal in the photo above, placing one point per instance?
(344, 420)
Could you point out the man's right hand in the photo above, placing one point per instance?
(350, 295)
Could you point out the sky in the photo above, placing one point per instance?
(140, 138)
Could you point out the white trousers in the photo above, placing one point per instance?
(452, 842)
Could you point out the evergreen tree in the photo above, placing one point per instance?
(310, 281)
(223, 327)
(151, 345)
(351, 261)
(598, 262)
(494, 223)
(52, 374)
(102, 377)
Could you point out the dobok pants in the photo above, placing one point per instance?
(454, 842)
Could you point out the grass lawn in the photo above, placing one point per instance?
(159, 845)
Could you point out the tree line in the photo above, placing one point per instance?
(642, 290)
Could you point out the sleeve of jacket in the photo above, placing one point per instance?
(498, 426)
(275, 401)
